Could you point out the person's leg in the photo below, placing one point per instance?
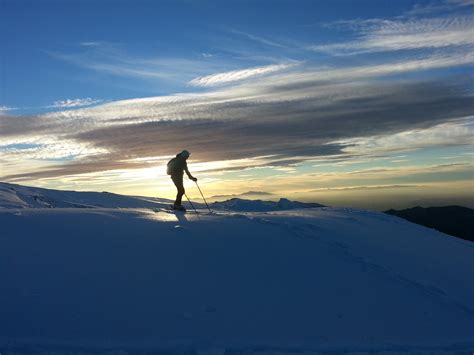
(178, 182)
(180, 194)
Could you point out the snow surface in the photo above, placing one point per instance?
(130, 280)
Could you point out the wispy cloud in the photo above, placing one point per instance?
(238, 75)
(379, 35)
(113, 59)
(461, 2)
(387, 68)
(258, 39)
(374, 187)
(392, 172)
(457, 132)
(91, 44)
(71, 103)
(443, 7)
(5, 109)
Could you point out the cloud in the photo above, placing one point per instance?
(442, 7)
(389, 177)
(322, 87)
(349, 74)
(70, 103)
(363, 188)
(281, 126)
(48, 149)
(5, 109)
(248, 194)
(284, 118)
(258, 39)
(91, 44)
(461, 2)
(377, 35)
(112, 59)
(238, 75)
(456, 133)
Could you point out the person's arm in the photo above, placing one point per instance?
(188, 173)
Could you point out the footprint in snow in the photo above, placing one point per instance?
(186, 315)
(209, 309)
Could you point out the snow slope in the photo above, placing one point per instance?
(318, 280)
(17, 196)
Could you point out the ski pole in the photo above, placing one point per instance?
(194, 208)
(203, 197)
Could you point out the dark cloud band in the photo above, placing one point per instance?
(289, 129)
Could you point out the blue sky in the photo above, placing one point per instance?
(99, 94)
(53, 42)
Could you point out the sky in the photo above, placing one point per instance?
(346, 103)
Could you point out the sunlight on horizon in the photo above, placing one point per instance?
(364, 106)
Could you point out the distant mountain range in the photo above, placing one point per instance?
(454, 220)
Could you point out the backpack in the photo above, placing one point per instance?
(171, 166)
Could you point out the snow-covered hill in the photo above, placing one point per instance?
(17, 196)
(130, 280)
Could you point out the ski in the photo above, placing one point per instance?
(170, 209)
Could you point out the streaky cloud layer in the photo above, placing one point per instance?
(377, 35)
(237, 75)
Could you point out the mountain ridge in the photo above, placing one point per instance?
(19, 196)
(457, 221)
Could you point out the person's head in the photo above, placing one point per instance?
(185, 154)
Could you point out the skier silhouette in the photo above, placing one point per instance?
(176, 168)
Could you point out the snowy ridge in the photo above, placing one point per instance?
(242, 205)
(17, 196)
(313, 280)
